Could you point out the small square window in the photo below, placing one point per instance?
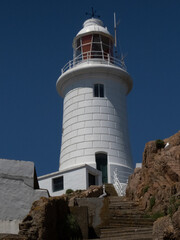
(98, 90)
(57, 184)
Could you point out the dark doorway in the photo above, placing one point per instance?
(101, 165)
(92, 179)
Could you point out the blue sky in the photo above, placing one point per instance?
(36, 41)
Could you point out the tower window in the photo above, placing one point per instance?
(98, 90)
(57, 184)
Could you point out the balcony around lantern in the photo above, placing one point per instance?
(91, 57)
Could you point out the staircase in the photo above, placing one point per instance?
(126, 221)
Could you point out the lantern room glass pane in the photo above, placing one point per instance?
(105, 40)
(94, 46)
(78, 43)
(86, 45)
(96, 50)
(78, 51)
(86, 39)
(96, 38)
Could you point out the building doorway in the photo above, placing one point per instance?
(92, 179)
(101, 165)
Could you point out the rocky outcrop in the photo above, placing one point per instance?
(58, 218)
(92, 192)
(156, 186)
(167, 228)
(46, 220)
(157, 181)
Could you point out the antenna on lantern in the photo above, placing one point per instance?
(115, 33)
(92, 14)
(115, 37)
(116, 43)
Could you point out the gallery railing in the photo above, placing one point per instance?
(94, 57)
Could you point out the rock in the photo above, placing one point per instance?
(176, 223)
(156, 186)
(159, 177)
(11, 237)
(167, 228)
(57, 218)
(134, 181)
(163, 228)
(46, 220)
(91, 192)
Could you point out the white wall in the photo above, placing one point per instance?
(17, 193)
(75, 179)
(9, 226)
(92, 124)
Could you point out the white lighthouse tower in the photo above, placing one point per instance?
(95, 137)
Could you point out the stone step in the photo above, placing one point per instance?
(130, 235)
(127, 238)
(118, 203)
(126, 212)
(123, 206)
(126, 221)
(127, 229)
(130, 218)
(127, 234)
(130, 224)
(138, 237)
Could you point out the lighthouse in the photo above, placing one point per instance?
(95, 145)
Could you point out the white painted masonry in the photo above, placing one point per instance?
(92, 124)
(74, 178)
(18, 190)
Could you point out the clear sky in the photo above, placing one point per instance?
(36, 41)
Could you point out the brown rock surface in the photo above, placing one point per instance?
(92, 191)
(46, 220)
(52, 218)
(157, 181)
(11, 237)
(167, 228)
(163, 229)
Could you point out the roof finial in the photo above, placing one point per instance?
(92, 14)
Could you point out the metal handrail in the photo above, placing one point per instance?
(120, 187)
(94, 56)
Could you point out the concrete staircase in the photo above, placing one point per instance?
(126, 221)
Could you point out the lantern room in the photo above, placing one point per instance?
(93, 41)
